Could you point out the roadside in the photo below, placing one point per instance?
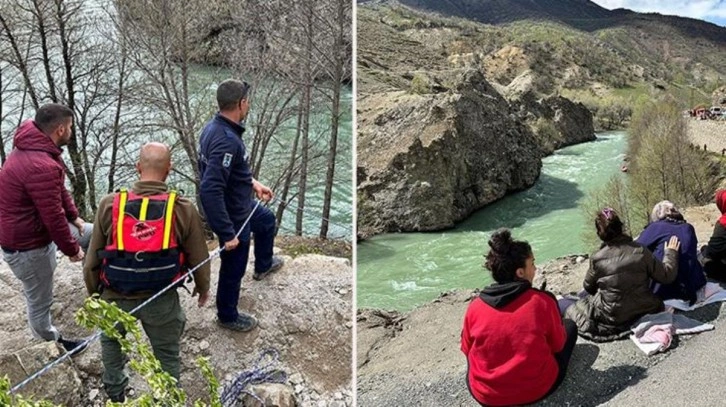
(397, 368)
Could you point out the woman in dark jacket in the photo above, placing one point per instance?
(666, 221)
(618, 282)
(714, 254)
(516, 344)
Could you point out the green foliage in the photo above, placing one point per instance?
(97, 313)
(18, 401)
(420, 84)
(664, 165)
(614, 194)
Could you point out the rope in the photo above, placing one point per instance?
(97, 335)
(257, 375)
(245, 377)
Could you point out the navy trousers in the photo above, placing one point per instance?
(234, 262)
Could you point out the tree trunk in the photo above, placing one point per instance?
(291, 168)
(78, 178)
(2, 140)
(334, 121)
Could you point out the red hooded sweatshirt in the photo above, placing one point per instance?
(35, 206)
(510, 336)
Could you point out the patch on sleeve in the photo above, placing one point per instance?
(227, 160)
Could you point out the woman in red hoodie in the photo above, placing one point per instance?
(514, 338)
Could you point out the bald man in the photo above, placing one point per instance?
(132, 256)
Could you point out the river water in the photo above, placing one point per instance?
(401, 271)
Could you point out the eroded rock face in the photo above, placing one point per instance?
(427, 161)
(556, 121)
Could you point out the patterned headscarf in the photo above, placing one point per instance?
(665, 209)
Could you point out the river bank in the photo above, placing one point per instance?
(401, 271)
(397, 368)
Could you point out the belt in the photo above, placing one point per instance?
(11, 251)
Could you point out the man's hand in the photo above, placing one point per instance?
(79, 256)
(263, 193)
(203, 298)
(231, 245)
(79, 223)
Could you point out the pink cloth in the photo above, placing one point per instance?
(662, 334)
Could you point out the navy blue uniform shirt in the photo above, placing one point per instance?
(225, 178)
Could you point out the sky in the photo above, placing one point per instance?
(713, 11)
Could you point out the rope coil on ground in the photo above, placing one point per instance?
(257, 375)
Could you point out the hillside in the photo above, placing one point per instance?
(605, 59)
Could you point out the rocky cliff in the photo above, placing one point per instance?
(429, 157)
(556, 121)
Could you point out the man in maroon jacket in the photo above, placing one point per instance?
(37, 213)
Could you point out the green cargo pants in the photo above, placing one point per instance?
(163, 320)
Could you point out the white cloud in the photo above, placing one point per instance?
(700, 9)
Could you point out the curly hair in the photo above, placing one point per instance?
(506, 256)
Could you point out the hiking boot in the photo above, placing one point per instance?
(121, 398)
(243, 323)
(70, 345)
(277, 263)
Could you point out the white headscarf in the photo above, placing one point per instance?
(664, 209)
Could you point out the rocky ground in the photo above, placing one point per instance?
(396, 367)
(304, 312)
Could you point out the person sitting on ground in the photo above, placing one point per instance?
(618, 282)
(516, 344)
(713, 255)
(666, 221)
(145, 240)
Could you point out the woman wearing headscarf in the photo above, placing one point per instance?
(618, 282)
(666, 221)
(714, 253)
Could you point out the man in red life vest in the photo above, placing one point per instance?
(145, 239)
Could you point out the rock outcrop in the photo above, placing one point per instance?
(430, 157)
(304, 312)
(556, 121)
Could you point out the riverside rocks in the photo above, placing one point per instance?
(427, 161)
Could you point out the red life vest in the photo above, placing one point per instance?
(143, 254)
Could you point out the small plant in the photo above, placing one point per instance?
(420, 84)
(99, 314)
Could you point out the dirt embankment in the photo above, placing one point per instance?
(413, 359)
(710, 133)
(304, 312)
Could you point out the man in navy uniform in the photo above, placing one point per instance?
(226, 187)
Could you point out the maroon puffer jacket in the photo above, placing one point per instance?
(35, 205)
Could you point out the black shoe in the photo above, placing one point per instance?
(277, 263)
(118, 399)
(243, 323)
(74, 347)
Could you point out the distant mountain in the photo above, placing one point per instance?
(581, 14)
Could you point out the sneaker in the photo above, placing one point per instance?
(277, 263)
(243, 323)
(70, 345)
